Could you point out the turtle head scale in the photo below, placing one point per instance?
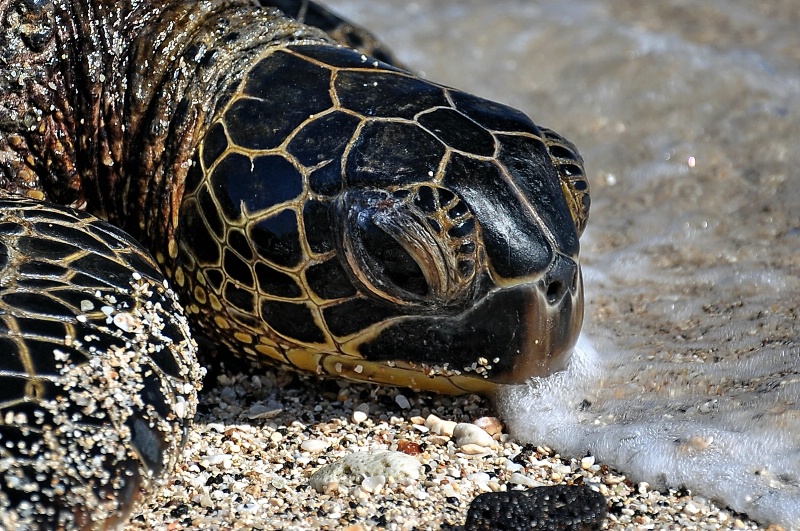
(344, 217)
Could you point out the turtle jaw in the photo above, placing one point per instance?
(511, 335)
(552, 323)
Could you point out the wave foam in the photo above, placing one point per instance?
(741, 448)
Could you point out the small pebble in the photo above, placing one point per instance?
(465, 433)
(474, 449)
(216, 459)
(313, 445)
(490, 425)
(373, 484)
(353, 468)
(521, 479)
(440, 426)
(438, 440)
(361, 413)
(408, 447)
(125, 321)
(402, 401)
(262, 411)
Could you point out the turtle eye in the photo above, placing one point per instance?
(574, 184)
(394, 261)
(402, 247)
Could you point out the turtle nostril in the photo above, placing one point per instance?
(554, 291)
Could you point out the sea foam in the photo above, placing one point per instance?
(671, 427)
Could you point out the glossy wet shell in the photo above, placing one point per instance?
(98, 374)
(313, 130)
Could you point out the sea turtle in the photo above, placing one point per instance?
(312, 205)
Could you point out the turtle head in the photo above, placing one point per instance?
(345, 217)
(477, 247)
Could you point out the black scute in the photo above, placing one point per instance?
(240, 298)
(256, 185)
(9, 228)
(37, 304)
(194, 232)
(514, 243)
(529, 163)
(458, 131)
(323, 140)
(109, 271)
(210, 212)
(214, 143)
(342, 57)
(492, 115)
(391, 154)
(386, 94)
(354, 315)
(293, 320)
(289, 89)
(317, 222)
(277, 239)
(36, 268)
(46, 249)
(329, 280)
(274, 282)
(237, 269)
(49, 328)
(72, 235)
(238, 242)
(10, 361)
(39, 284)
(43, 359)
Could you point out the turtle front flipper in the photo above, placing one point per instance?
(344, 217)
(97, 371)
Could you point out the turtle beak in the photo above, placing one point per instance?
(553, 316)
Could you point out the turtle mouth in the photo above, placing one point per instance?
(554, 317)
(510, 336)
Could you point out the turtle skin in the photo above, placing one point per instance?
(313, 207)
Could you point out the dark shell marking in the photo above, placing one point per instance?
(345, 217)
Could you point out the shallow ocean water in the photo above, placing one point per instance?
(688, 116)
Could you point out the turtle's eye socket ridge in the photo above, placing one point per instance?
(572, 175)
(407, 247)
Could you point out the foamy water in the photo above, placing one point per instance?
(688, 116)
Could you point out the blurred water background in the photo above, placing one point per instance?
(688, 115)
